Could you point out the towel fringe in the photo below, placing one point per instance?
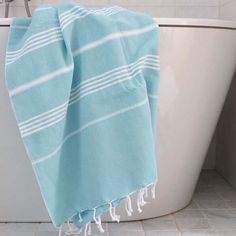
(98, 221)
(60, 231)
(87, 229)
(141, 195)
(99, 225)
(72, 231)
(80, 218)
(112, 211)
(153, 191)
(128, 205)
(69, 226)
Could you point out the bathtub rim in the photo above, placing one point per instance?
(173, 22)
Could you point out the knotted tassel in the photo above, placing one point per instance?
(87, 229)
(154, 191)
(80, 218)
(60, 231)
(98, 221)
(128, 206)
(99, 225)
(113, 215)
(71, 230)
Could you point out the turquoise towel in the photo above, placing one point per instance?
(83, 85)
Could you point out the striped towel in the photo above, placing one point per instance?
(83, 87)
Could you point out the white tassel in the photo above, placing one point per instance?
(113, 215)
(98, 221)
(138, 205)
(80, 218)
(69, 226)
(99, 225)
(75, 232)
(127, 209)
(89, 229)
(94, 215)
(86, 229)
(140, 200)
(71, 230)
(128, 206)
(60, 231)
(154, 191)
(117, 217)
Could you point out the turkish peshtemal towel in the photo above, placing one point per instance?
(83, 86)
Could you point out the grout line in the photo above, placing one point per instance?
(144, 232)
(227, 2)
(174, 219)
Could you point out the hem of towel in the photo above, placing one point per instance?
(142, 193)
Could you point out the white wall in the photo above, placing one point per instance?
(159, 8)
(226, 138)
(228, 9)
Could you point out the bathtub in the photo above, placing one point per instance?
(198, 59)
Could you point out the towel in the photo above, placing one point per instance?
(83, 84)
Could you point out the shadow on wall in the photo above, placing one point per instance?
(226, 137)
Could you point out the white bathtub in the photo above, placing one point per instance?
(198, 59)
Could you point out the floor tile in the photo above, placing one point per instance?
(15, 233)
(159, 224)
(126, 233)
(48, 233)
(208, 204)
(228, 195)
(226, 233)
(222, 223)
(211, 178)
(19, 227)
(125, 226)
(199, 233)
(207, 195)
(219, 213)
(192, 224)
(47, 227)
(231, 204)
(220, 188)
(188, 213)
(162, 233)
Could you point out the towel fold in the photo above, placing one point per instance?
(83, 86)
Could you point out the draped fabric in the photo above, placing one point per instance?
(83, 86)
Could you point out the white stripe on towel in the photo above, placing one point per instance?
(89, 124)
(72, 101)
(40, 80)
(76, 9)
(32, 45)
(79, 13)
(85, 88)
(58, 38)
(35, 37)
(113, 36)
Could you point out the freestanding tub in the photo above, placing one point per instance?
(198, 59)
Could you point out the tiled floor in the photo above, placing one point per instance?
(212, 212)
